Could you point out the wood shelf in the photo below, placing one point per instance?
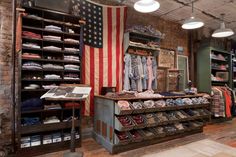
(47, 127)
(52, 110)
(50, 60)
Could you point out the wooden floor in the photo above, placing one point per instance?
(224, 133)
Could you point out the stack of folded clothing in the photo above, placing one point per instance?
(56, 137)
(52, 48)
(73, 41)
(123, 136)
(181, 114)
(192, 112)
(52, 106)
(72, 58)
(148, 132)
(31, 65)
(149, 104)
(69, 119)
(35, 77)
(51, 37)
(135, 134)
(30, 55)
(172, 116)
(71, 104)
(32, 104)
(179, 126)
(187, 101)
(31, 35)
(160, 103)
(71, 76)
(179, 102)
(53, 66)
(170, 102)
(26, 121)
(170, 129)
(124, 105)
(203, 100)
(25, 142)
(50, 120)
(53, 28)
(49, 86)
(125, 121)
(71, 67)
(47, 139)
(68, 49)
(159, 130)
(31, 45)
(52, 76)
(32, 86)
(162, 117)
(150, 119)
(196, 101)
(35, 140)
(137, 105)
(138, 119)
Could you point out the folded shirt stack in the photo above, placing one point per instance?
(125, 121)
(49, 86)
(138, 119)
(32, 104)
(124, 105)
(52, 66)
(52, 48)
(71, 76)
(31, 45)
(148, 133)
(159, 130)
(179, 126)
(31, 35)
(71, 67)
(31, 65)
(162, 117)
(69, 49)
(181, 114)
(26, 121)
(149, 104)
(53, 28)
(123, 136)
(30, 55)
(73, 41)
(50, 120)
(160, 103)
(52, 106)
(52, 76)
(135, 134)
(170, 102)
(51, 37)
(187, 101)
(32, 86)
(172, 116)
(170, 129)
(72, 58)
(150, 118)
(137, 105)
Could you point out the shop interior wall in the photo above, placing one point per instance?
(5, 71)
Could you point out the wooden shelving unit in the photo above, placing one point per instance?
(36, 25)
(106, 123)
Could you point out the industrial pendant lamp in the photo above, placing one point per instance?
(222, 31)
(146, 6)
(192, 22)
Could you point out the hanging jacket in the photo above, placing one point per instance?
(150, 72)
(145, 73)
(154, 69)
(140, 71)
(134, 73)
(127, 71)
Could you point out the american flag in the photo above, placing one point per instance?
(103, 50)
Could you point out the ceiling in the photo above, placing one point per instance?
(208, 10)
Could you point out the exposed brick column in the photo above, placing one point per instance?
(5, 71)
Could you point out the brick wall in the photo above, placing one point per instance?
(5, 70)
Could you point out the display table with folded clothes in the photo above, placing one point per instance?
(130, 120)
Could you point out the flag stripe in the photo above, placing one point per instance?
(105, 49)
(118, 48)
(87, 75)
(92, 79)
(109, 16)
(101, 72)
(114, 44)
(96, 70)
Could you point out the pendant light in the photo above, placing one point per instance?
(222, 31)
(192, 22)
(146, 6)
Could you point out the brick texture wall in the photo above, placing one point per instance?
(5, 70)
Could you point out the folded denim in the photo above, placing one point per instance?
(32, 104)
(26, 121)
(179, 102)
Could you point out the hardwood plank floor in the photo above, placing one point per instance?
(224, 133)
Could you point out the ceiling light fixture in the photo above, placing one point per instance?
(146, 6)
(222, 32)
(192, 22)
